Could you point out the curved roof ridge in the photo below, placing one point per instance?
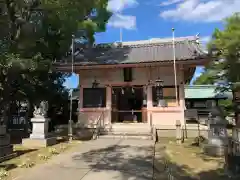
(153, 41)
(159, 40)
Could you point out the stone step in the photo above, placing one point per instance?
(2, 129)
(127, 133)
(4, 140)
(129, 128)
(130, 125)
(125, 137)
(6, 150)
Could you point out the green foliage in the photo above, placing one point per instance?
(224, 69)
(44, 157)
(227, 106)
(33, 35)
(27, 163)
(3, 173)
(205, 79)
(225, 48)
(53, 151)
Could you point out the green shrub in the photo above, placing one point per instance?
(53, 151)
(43, 157)
(27, 164)
(3, 173)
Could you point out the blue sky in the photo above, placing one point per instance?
(145, 19)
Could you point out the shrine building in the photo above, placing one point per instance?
(135, 82)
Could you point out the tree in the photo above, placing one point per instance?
(33, 34)
(225, 48)
(224, 69)
(205, 78)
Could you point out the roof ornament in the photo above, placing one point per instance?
(197, 35)
(197, 38)
(115, 44)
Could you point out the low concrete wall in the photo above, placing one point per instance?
(78, 132)
(190, 131)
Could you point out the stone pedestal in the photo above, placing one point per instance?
(178, 132)
(215, 147)
(217, 136)
(40, 136)
(6, 149)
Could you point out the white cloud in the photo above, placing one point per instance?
(119, 20)
(120, 5)
(122, 21)
(201, 10)
(170, 2)
(205, 39)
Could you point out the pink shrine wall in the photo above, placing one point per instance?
(157, 116)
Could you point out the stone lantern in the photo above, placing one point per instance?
(217, 135)
(159, 93)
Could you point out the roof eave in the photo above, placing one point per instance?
(200, 61)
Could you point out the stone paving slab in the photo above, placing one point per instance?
(108, 159)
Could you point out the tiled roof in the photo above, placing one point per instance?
(153, 50)
(205, 92)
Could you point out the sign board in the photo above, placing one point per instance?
(17, 122)
(18, 119)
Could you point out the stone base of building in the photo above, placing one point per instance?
(37, 143)
(6, 149)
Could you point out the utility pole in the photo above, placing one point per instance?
(70, 128)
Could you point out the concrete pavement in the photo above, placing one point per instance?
(107, 159)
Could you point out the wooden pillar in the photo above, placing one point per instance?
(80, 104)
(182, 100)
(108, 117)
(149, 104)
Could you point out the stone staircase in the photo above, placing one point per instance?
(127, 131)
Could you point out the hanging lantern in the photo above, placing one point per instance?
(159, 82)
(122, 91)
(159, 93)
(133, 90)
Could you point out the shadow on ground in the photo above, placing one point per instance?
(136, 162)
(23, 151)
(164, 169)
(127, 161)
(8, 167)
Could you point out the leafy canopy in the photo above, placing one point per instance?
(34, 33)
(225, 47)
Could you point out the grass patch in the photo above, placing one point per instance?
(186, 161)
(28, 158)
